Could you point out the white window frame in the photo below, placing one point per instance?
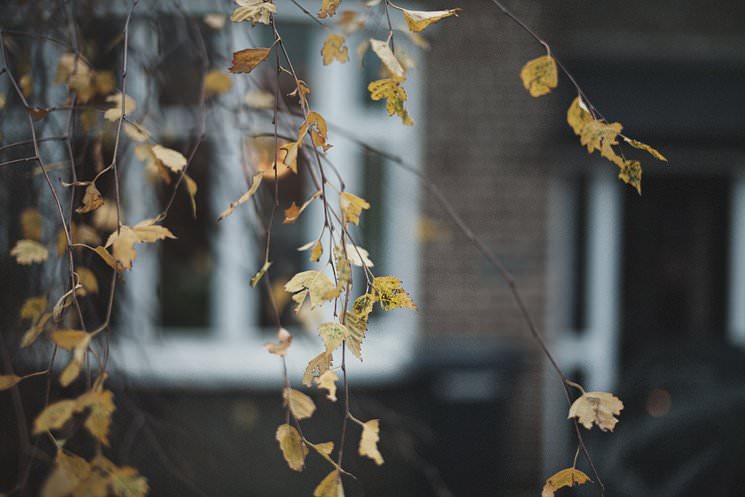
(231, 353)
(595, 351)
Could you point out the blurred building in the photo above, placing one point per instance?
(467, 404)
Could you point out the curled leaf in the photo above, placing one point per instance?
(92, 199)
(598, 408)
(418, 20)
(255, 182)
(257, 11)
(352, 206)
(568, 477)
(389, 60)
(284, 340)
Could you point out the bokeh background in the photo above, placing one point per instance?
(640, 295)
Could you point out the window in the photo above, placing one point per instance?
(193, 318)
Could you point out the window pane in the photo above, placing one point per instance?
(185, 263)
(675, 263)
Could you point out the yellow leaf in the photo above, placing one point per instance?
(395, 96)
(68, 65)
(115, 113)
(69, 339)
(333, 334)
(316, 249)
(31, 223)
(578, 116)
(2, 101)
(369, 441)
(284, 340)
(122, 247)
(147, 231)
(293, 212)
(290, 157)
(215, 21)
(33, 308)
(596, 407)
(350, 21)
(258, 11)
(54, 416)
(292, 446)
(315, 284)
(87, 279)
(540, 75)
(358, 256)
(255, 182)
(260, 274)
(391, 294)
(301, 406)
(389, 60)
(136, 132)
(316, 124)
(30, 336)
(105, 218)
(92, 199)
(327, 381)
(245, 61)
(328, 8)
(334, 49)
(191, 189)
(28, 252)
(259, 99)
(316, 252)
(108, 258)
(351, 207)
(172, 159)
(301, 91)
(418, 20)
(122, 243)
(356, 326)
(330, 486)
(69, 472)
(26, 84)
(101, 405)
(363, 305)
(71, 371)
(631, 174)
(565, 478)
(216, 83)
(9, 381)
(316, 367)
(127, 482)
(643, 146)
(597, 135)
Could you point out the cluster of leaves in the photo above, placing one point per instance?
(330, 285)
(540, 76)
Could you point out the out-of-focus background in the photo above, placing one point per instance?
(640, 295)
